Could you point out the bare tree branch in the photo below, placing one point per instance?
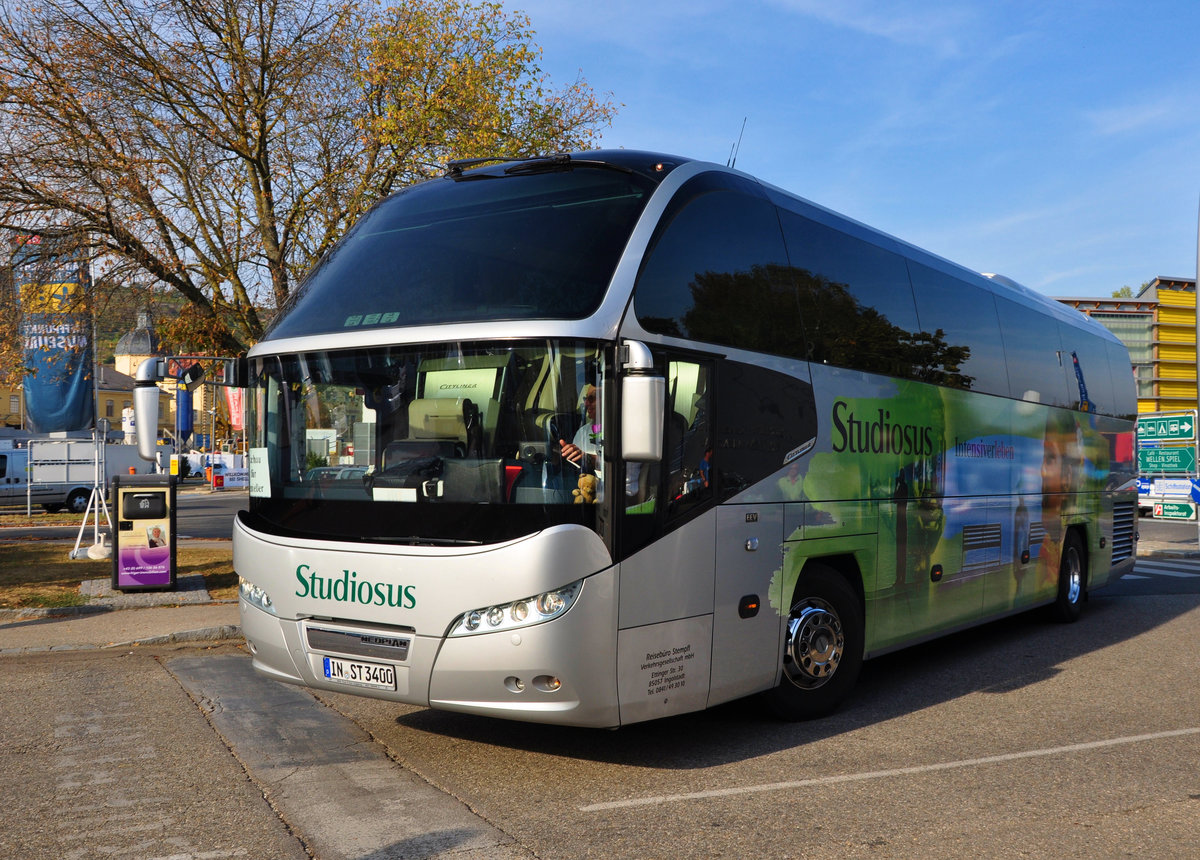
(219, 147)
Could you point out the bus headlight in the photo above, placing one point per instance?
(255, 596)
(519, 613)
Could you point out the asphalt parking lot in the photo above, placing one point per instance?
(1020, 738)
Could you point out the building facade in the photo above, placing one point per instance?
(114, 394)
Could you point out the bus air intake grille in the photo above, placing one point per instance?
(1124, 517)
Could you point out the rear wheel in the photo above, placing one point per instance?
(1072, 580)
(822, 646)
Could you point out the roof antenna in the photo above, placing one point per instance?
(733, 150)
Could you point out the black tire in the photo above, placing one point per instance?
(1072, 580)
(77, 502)
(822, 646)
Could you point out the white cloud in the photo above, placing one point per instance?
(1133, 117)
(940, 28)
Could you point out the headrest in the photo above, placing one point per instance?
(436, 418)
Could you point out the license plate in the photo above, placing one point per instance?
(359, 674)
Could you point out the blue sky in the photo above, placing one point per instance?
(1054, 142)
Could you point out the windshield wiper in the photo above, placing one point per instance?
(414, 540)
(454, 169)
(527, 164)
(562, 161)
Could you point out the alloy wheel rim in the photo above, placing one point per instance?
(815, 644)
(1074, 577)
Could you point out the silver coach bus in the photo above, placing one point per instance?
(598, 438)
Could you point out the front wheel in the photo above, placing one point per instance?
(77, 502)
(1072, 580)
(822, 647)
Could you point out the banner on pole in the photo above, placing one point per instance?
(53, 291)
(235, 399)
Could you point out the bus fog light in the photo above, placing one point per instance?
(547, 683)
(514, 685)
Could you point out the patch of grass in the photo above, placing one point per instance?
(15, 518)
(36, 574)
(215, 565)
(55, 599)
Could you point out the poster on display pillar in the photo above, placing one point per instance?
(144, 542)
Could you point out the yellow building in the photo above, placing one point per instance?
(12, 407)
(1174, 342)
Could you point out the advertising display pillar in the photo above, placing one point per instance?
(144, 538)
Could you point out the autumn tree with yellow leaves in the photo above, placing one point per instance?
(216, 148)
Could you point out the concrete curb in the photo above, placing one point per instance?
(221, 633)
(54, 612)
(204, 634)
(1170, 553)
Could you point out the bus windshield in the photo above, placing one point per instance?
(483, 247)
(442, 443)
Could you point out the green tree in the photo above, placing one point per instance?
(216, 148)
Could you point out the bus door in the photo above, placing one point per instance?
(665, 620)
(746, 626)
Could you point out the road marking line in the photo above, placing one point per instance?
(1135, 576)
(1165, 570)
(885, 774)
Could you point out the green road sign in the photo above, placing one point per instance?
(1167, 428)
(1156, 460)
(1175, 510)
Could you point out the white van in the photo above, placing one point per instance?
(65, 472)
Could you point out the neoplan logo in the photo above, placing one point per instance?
(348, 588)
(878, 434)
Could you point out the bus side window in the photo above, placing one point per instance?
(661, 495)
(856, 300)
(961, 332)
(717, 271)
(1034, 351)
(1089, 379)
(687, 455)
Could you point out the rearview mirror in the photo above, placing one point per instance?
(643, 404)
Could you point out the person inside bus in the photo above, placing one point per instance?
(584, 449)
